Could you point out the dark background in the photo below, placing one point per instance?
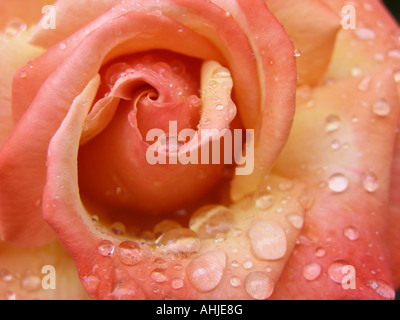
(394, 7)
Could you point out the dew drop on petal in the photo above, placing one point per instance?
(211, 220)
(264, 202)
(105, 248)
(295, 220)
(320, 252)
(205, 272)
(235, 281)
(268, 240)
(62, 46)
(382, 288)
(221, 72)
(177, 283)
(381, 107)
(259, 285)
(396, 76)
(118, 228)
(338, 183)
(364, 84)
(306, 201)
(164, 226)
(311, 271)
(364, 33)
(332, 123)
(335, 144)
(14, 28)
(370, 181)
(10, 295)
(394, 53)
(335, 270)
(129, 253)
(31, 283)
(350, 233)
(5, 275)
(158, 276)
(179, 240)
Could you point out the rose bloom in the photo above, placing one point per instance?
(83, 214)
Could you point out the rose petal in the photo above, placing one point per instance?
(313, 27)
(341, 148)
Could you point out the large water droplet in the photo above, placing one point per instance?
(177, 283)
(129, 253)
(105, 248)
(370, 181)
(350, 233)
(332, 123)
(382, 288)
(311, 271)
(179, 240)
(164, 226)
(268, 240)
(259, 285)
(381, 107)
(205, 272)
(320, 252)
(335, 270)
(209, 221)
(338, 183)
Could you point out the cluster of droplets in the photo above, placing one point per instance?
(21, 286)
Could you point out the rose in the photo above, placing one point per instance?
(334, 169)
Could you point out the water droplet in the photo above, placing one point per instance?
(394, 53)
(335, 270)
(6, 275)
(370, 181)
(158, 276)
(221, 72)
(118, 228)
(268, 240)
(382, 288)
(177, 283)
(105, 248)
(381, 107)
(23, 74)
(31, 283)
(10, 295)
(235, 264)
(14, 28)
(129, 253)
(297, 53)
(364, 83)
(164, 226)
(364, 33)
(235, 281)
(396, 76)
(259, 285)
(247, 265)
(356, 72)
(311, 271)
(306, 201)
(338, 183)
(179, 240)
(205, 272)
(194, 101)
(114, 72)
(320, 252)
(335, 145)
(295, 220)
(220, 107)
(350, 233)
(95, 219)
(160, 263)
(62, 46)
(171, 144)
(332, 123)
(285, 186)
(211, 220)
(264, 202)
